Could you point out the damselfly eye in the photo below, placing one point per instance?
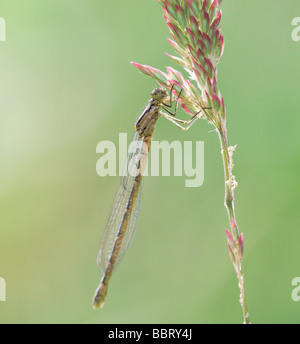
(159, 94)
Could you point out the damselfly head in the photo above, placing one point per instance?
(159, 94)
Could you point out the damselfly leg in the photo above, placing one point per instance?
(176, 121)
(173, 118)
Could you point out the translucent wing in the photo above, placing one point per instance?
(120, 205)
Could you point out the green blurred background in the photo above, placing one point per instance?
(66, 84)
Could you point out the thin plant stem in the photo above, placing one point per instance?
(237, 254)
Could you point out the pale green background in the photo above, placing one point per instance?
(66, 84)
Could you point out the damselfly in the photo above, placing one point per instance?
(122, 220)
